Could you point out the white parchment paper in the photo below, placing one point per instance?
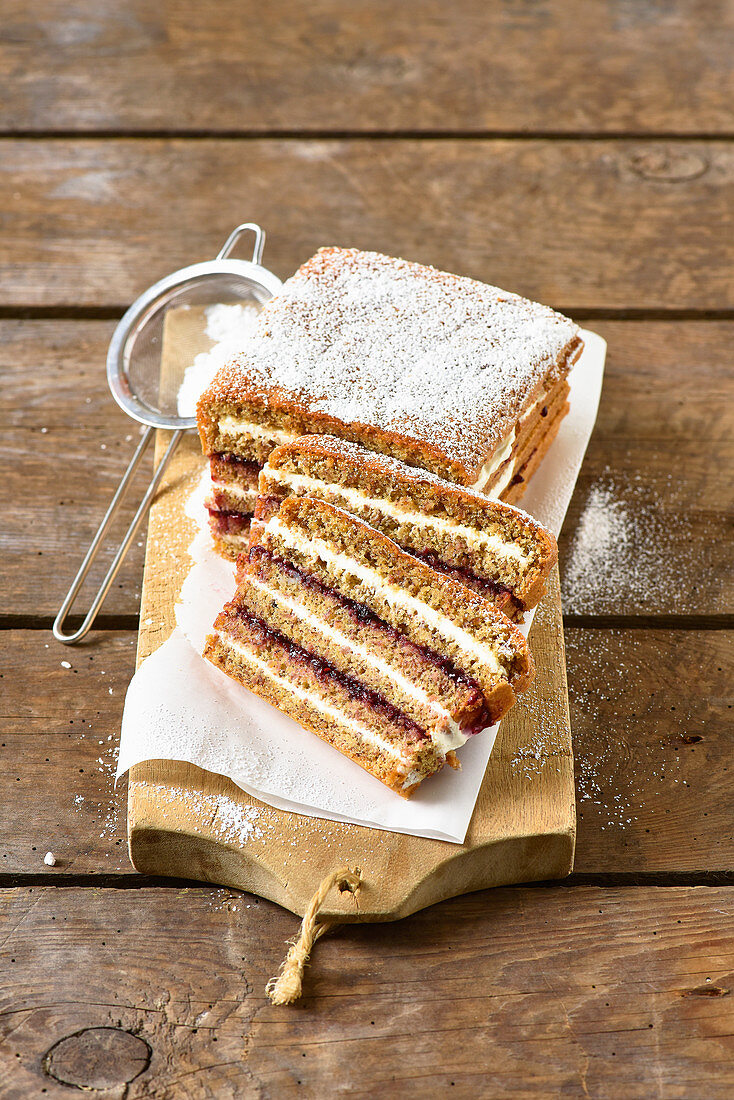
(179, 707)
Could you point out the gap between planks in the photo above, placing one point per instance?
(133, 881)
(172, 134)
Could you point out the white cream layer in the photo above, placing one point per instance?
(236, 542)
(495, 460)
(471, 535)
(317, 548)
(492, 465)
(318, 702)
(445, 739)
(497, 490)
(247, 497)
(234, 426)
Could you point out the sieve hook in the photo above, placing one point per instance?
(70, 639)
(257, 248)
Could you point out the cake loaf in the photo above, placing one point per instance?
(445, 373)
(391, 662)
(495, 549)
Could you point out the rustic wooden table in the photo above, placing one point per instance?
(579, 153)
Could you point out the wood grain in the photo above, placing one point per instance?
(562, 991)
(651, 716)
(658, 463)
(622, 992)
(579, 225)
(64, 448)
(650, 719)
(55, 492)
(649, 528)
(560, 67)
(58, 753)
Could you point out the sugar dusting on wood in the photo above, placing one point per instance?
(230, 820)
(617, 557)
(626, 759)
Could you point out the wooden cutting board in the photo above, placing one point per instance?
(190, 823)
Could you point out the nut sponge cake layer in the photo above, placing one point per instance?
(492, 547)
(393, 663)
(430, 367)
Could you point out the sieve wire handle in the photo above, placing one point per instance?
(231, 241)
(70, 639)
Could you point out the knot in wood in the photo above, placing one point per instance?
(97, 1058)
(669, 165)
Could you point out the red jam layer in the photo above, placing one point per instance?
(326, 674)
(495, 591)
(362, 614)
(245, 465)
(229, 523)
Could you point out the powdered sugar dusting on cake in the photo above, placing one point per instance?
(228, 327)
(373, 340)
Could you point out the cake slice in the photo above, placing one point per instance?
(231, 501)
(391, 662)
(495, 549)
(445, 373)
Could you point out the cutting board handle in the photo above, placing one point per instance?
(286, 988)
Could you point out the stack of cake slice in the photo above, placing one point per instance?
(445, 373)
(393, 663)
(495, 549)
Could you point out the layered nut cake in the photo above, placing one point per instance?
(447, 374)
(390, 661)
(494, 548)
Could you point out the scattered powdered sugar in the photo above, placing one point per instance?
(544, 744)
(223, 900)
(230, 820)
(617, 558)
(370, 339)
(629, 755)
(608, 789)
(229, 327)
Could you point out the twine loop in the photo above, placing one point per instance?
(286, 988)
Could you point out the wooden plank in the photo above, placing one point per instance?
(63, 451)
(58, 485)
(652, 734)
(54, 378)
(563, 67)
(574, 992)
(652, 782)
(658, 461)
(585, 225)
(58, 747)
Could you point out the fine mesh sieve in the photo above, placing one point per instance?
(134, 377)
